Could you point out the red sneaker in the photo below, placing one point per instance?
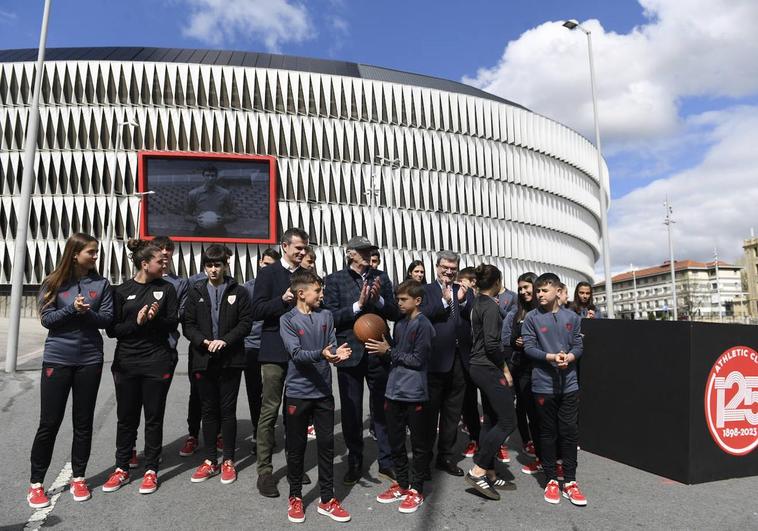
(149, 483)
(189, 448)
(118, 479)
(134, 462)
(36, 496)
(559, 471)
(412, 501)
(204, 471)
(295, 512)
(219, 443)
(529, 449)
(334, 510)
(502, 454)
(392, 494)
(532, 468)
(471, 449)
(228, 472)
(552, 492)
(311, 433)
(574, 495)
(79, 490)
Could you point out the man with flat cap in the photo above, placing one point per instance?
(350, 293)
(209, 206)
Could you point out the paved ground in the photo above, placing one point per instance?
(620, 497)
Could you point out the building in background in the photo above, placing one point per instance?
(701, 296)
(750, 260)
(417, 163)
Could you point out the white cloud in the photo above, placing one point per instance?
(272, 22)
(687, 48)
(714, 202)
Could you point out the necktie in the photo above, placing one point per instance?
(453, 304)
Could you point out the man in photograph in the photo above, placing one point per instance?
(209, 206)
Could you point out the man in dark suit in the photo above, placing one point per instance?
(350, 293)
(448, 306)
(271, 299)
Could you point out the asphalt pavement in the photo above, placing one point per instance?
(620, 497)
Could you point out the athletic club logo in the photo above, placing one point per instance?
(92, 294)
(231, 299)
(158, 295)
(569, 327)
(731, 400)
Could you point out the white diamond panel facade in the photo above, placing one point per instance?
(489, 180)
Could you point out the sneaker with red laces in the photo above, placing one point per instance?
(36, 496)
(559, 471)
(204, 471)
(529, 449)
(149, 483)
(392, 494)
(295, 512)
(574, 495)
(228, 472)
(189, 448)
(219, 443)
(79, 490)
(134, 462)
(502, 454)
(334, 510)
(471, 449)
(552, 492)
(412, 501)
(311, 433)
(118, 479)
(532, 468)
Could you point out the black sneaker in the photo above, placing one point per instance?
(267, 485)
(388, 473)
(483, 486)
(502, 484)
(352, 476)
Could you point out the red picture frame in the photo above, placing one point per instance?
(142, 183)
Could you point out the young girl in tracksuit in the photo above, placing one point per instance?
(217, 317)
(146, 314)
(74, 304)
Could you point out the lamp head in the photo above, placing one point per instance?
(571, 24)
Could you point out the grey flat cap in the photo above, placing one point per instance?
(360, 243)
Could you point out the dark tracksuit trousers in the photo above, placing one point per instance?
(194, 409)
(526, 412)
(254, 387)
(470, 412)
(299, 412)
(218, 389)
(559, 432)
(402, 415)
(497, 401)
(55, 385)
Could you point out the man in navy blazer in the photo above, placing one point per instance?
(350, 293)
(448, 306)
(272, 298)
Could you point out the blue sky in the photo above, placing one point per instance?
(677, 80)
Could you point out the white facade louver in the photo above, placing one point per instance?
(490, 180)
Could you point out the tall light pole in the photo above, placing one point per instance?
(108, 244)
(668, 222)
(718, 284)
(573, 24)
(634, 289)
(24, 203)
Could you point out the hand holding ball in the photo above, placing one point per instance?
(208, 219)
(369, 326)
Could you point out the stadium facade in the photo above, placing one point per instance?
(475, 173)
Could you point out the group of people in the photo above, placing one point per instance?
(459, 336)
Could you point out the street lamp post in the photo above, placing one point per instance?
(668, 222)
(573, 24)
(108, 244)
(634, 289)
(718, 284)
(25, 199)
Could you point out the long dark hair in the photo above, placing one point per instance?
(413, 265)
(576, 305)
(64, 271)
(525, 307)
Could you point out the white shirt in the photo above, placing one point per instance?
(289, 267)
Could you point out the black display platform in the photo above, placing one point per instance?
(643, 396)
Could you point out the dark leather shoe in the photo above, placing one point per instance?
(267, 485)
(450, 468)
(388, 473)
(306, 479)
(353, 476)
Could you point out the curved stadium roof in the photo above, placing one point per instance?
(249, 59)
